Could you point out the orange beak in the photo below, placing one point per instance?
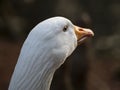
(82, 34)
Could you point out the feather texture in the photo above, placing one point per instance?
(44, 50)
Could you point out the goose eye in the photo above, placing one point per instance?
(65, 28)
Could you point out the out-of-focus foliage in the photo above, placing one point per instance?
(94, 65)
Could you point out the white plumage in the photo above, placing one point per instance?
(45, 49)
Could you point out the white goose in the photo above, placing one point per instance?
(45, 49)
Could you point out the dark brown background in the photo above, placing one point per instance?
(95, 65)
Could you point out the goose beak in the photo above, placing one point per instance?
(82, 34)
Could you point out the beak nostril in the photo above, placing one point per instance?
(80, 29)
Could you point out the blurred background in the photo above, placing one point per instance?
(95, 65)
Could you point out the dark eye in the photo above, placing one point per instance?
(65, 28)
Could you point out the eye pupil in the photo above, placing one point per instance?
(65, 28)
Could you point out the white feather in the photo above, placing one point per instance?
(44, 50)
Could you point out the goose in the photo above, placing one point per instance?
(46, 48)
